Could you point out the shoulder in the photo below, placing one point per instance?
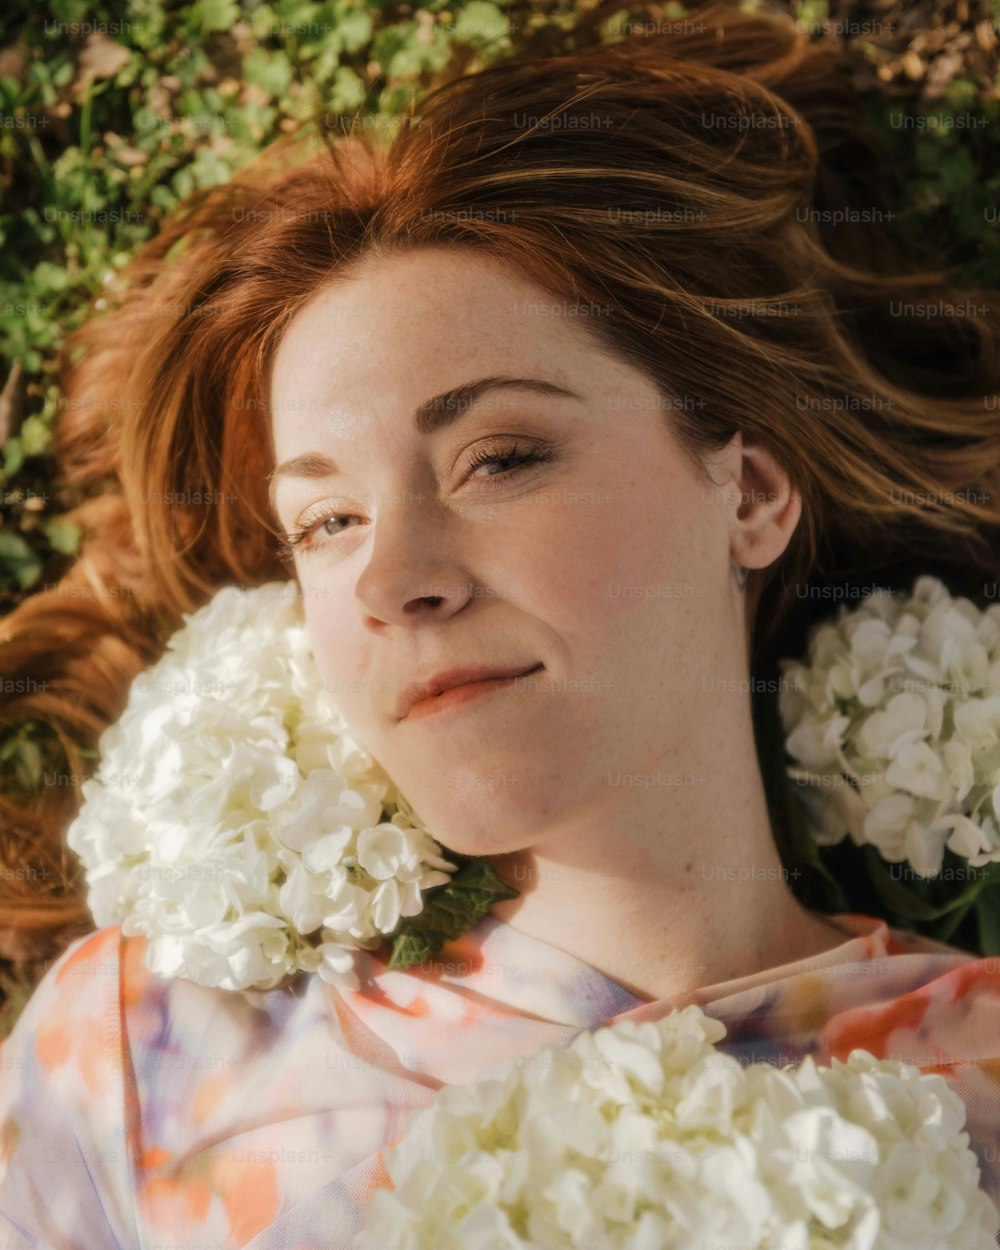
(936, 1007)
(924, 1001)
(62, 1103)
(131, 1084)
(100, 1017)
(74, 1040)
(70, 1026)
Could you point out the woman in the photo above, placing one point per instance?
(541, 389)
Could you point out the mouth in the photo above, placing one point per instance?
(458, 693)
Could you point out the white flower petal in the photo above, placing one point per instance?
(232, 813)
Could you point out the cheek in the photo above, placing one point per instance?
(341, 654)
(609, 558)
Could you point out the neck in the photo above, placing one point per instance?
(673, 882)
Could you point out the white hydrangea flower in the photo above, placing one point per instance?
(642, 1136)
(235, 822)
(894, 726)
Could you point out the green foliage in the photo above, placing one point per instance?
(27, 753)
(112, 116)
(113, 113)
(449, 910)
(952, 154)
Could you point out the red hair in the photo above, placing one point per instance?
(597, 173)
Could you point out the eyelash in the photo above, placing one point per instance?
(298, 540)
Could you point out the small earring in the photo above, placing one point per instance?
(741, 576)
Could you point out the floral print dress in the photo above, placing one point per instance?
(140, 1113)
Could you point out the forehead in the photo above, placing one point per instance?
(401, 328)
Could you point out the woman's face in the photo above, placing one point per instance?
(604, 564)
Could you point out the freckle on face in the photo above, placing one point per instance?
(566, 565)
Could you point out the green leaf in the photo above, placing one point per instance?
(270, 71)
(164, 198)
(296, 18)
(209, 170)
(944, 929)
(69, 11)
(988, 920)
(956, 172)
(183, 183)
(51, 277)
(904, 902)
(62, 75)
(218, 14)
(898, 898)
(347, 92)
(813, 13)
(480, 22)
(29, 764)
(13, 456)
(449, 911)
(962, 93)
(19, 564)
(354, 29)
(63, 535)
(35, 436)
(263, 20)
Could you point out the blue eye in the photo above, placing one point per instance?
(301, 540)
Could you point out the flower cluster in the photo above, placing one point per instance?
(894, 720)
(646, 1136)
(235, 822)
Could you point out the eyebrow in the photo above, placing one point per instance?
(434, 414)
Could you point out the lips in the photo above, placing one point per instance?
(447, 680)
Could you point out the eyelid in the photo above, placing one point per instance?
(535, 453)
(544, 440)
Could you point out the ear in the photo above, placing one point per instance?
(764, 507)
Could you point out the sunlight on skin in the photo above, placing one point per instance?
(618, 788)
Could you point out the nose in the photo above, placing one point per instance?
(413, 565)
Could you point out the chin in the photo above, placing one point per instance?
(478, 814)
(473, 826)
(475, 846)
(481, 833)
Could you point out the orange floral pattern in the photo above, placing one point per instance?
(142, 1112)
